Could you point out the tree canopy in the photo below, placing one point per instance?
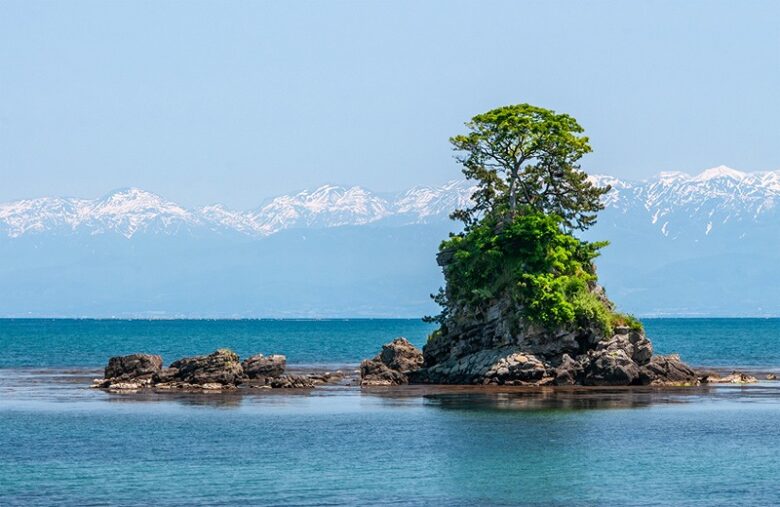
(527, 157)
(518, 243)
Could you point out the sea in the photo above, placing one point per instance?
(62, 443)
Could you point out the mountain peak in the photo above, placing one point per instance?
(718, 172)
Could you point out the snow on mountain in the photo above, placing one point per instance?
(674, 204)
(125, 211)
(327, 206)
(426, 202)
(679, 204)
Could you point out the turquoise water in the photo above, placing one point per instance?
(752, 343)
(64, 444)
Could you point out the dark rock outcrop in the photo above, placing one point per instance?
(492, 354)
(392, 365)
(260, 366)
(133, 366)
(610, 368)
(218, 371)
(219, 367)
(667, 370)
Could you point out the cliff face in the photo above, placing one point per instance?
(497, 345)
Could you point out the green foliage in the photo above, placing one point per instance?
(544, 270)
(517, 243)
(629, 321)
(590, 310)
(527, 156)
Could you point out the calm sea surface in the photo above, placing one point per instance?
(64, 444)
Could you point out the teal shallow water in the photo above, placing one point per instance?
(62, 443)
(348, 448)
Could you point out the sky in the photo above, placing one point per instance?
(235, 102)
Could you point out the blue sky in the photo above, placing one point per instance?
(238, 101)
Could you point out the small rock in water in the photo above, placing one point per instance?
(771, 376)
(125, 386)
(392, 365)
(259, 366)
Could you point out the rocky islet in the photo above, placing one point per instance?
(218, 371)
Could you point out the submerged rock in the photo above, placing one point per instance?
(260, 366)
(125, 386)
(735, 377)
(392, 365)
(133, 366)
(292, 382)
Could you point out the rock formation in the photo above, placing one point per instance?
(217, 371)
(497, 345)
(219, 367)
(487, 349)
(260, 366)
(134, 366)
(392, 365)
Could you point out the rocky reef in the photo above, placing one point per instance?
(221, 370)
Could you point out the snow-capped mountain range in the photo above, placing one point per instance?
(672, 203)
(681, 244)
(131, 211)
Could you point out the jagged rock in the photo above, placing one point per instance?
(220, 367)
(259, 366)
(506, 365)
(517, 367)
(771, 376)
(610, 367)
(633, 343)
(133, 366)
(667, 370)
(392, 365)
(569, 372)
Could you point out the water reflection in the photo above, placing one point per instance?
(550, 399)
(71, 387)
